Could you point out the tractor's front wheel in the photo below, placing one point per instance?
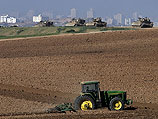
(116, 104)
(84, 103)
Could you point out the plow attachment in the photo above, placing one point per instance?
(62, 108)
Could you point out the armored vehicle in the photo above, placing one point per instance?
(97, 22)
(91, 97)
(143, 23)
(44, 24)
(76, 22)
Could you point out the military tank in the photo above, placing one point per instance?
(76, 22)
(97, 22)
(45, 24)
(143, 23)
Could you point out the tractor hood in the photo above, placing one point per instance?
(89, 82)
(115, 92)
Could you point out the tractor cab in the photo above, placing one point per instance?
(90, 86)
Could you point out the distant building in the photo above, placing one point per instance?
(3, 19)
(135, 16)
(11, 20)
(118, 18)
(39, 18)
(90, 13)
(7, 19)
(73, 13)
(109, 21)
(127, 21)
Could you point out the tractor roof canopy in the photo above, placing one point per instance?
(89, 82)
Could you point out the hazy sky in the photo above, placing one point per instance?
(101, 7)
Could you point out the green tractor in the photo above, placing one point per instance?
(91, 98)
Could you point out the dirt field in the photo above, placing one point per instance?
(38, 73)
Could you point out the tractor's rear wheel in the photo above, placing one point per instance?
(84, 103)
(116, 104)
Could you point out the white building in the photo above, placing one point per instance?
(90, 13)
(73, 13)
(11, 20)
(3, 19)
(128, 21)
(37, 18)
(7, 19)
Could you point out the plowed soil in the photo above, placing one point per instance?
(39, 73)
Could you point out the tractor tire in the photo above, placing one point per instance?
(116, 104)
(84, 103)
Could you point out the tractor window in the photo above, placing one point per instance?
(89, 88)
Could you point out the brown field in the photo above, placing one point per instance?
(38, 73)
